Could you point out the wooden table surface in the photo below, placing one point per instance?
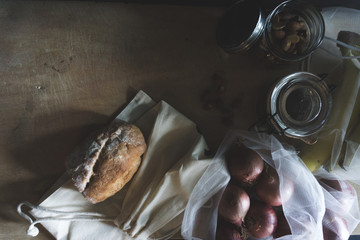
(67, 68)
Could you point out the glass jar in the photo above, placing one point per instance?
(299, 105)
(246, 24)
(240, 27)
(293, 30)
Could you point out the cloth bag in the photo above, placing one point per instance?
(339, 142)
(151, 206)
(304, 211)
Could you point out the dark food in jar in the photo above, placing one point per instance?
(290, 32)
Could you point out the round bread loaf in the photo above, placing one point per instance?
(105, 163)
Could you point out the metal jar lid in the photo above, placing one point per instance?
(240, 27)
(299, 105)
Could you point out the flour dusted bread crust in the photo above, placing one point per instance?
(105, 163)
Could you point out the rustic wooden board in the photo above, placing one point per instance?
(67, 68)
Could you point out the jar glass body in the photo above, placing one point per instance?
(299, 104)
(293, 30)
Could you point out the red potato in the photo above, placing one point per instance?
(268, 188)
(227, 231)
(342, 191)
(234, 204)
(261, 220)
(283, 227)
(338, 185)
(335, 227)
(244, 164)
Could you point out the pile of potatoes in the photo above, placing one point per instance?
(251, 205)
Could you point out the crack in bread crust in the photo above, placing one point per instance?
(109, 162)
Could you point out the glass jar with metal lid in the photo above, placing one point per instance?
(298, 105)
(289, 33)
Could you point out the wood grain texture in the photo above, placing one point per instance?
(67, 68)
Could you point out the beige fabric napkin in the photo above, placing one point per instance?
(151, 206)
